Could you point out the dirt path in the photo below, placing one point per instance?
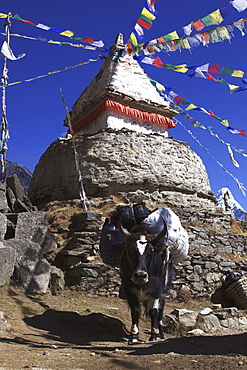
(75, 332)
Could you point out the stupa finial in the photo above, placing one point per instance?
(119, 43)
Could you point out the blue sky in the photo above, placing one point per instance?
(35, 111)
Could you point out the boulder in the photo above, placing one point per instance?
(3, 226)
(3, 199)
(14, 183)
(28, 222)
(31, 269)
(33, 226)
(57, 281)
(4, 325)
(7, 263)
(186, 318)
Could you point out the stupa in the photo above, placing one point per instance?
(121, 129)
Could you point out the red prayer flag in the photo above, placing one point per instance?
(28, 22)
(212, 114)
(161, 39)
(88, 40)
(198, 25)
(215, 68)
(142, 23)
(158, 62)
(178, 99)
(242, 132)
(210, 77)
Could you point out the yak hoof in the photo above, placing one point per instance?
(133, 339)
(154, 338)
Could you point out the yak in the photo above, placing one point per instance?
(146, 275)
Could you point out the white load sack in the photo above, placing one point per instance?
(176, 238)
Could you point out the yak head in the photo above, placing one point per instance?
(142, 250)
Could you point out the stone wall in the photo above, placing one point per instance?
(128, 165)
(214, 251)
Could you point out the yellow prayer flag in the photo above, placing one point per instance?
(67, 33)
(238, 73)
(185, 44)
(216, 17)
(182, 68)
(54, 42)
(225, 122)
(133, 39)
(160, 87)
(233, 88)
(2, 15)
(191, 106)
(173, 35)
(147, 14)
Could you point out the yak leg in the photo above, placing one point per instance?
(134, 332)
(156, 314)
(160, 318)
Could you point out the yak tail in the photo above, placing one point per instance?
(169, 272)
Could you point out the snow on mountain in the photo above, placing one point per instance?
(228, 203)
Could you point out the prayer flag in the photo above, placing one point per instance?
(210, 77)
(133, 39)
(235, 131)
(207, 20)
(43, 26)
(139, 31)
(158, 62)
(191, 106)
(215, 68)
(188, 29)
(216, 17)
(234, 162)
(227, 71)
(238, 73)
(198, 25)
(146, 13)
(226, 10)
(146, 23)
(240, 5)
(67, 33)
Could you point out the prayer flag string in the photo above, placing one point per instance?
(178, 100)
(214, 18)
(49, 41)
(202, 71)
(215, 35)
(57, 71)
(145, 20)
(239, 184)
(67, 33)
(195, 123)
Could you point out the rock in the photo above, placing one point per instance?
(208, 322)
(195, 332)
(4, 325)
(206, 311)
(56, 281)
(3, 199)
(3, 226)
(24, 175)
(33, 226)
(83, 220)
(31, 269)
(14, 183)
(7, 263)
(28, 222)
(186, 318)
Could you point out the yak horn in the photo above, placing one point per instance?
(123, 231)
(161, 234)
